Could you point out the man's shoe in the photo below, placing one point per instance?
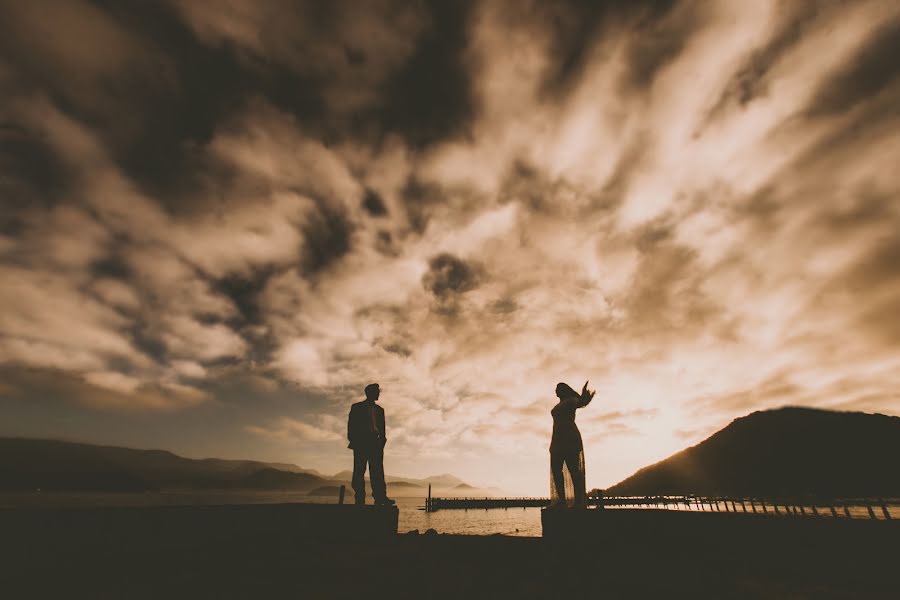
(385, 502)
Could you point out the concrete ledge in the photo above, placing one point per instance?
(674, 529)
(137, 525)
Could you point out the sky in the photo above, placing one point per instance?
(220, 220)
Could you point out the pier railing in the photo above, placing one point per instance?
(872, 508)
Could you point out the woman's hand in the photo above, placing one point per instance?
(586, 394)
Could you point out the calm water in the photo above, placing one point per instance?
(513, 521)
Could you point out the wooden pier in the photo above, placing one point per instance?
(878, 509)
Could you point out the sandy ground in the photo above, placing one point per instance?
(643, 554)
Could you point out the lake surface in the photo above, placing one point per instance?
(512, 522)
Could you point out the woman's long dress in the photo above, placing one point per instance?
(566, 448)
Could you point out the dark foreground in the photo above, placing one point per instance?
(262, 552)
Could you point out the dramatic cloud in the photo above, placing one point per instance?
(248, 211)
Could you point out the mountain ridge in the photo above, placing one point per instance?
(786, 451)
(48, 464)
(32, 463)
(444, 480)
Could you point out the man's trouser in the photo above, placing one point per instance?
(374, 457)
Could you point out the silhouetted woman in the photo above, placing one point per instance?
(566, 447)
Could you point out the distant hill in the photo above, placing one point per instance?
(329, 490)
(404, 484)
(273, 479)
(787, 451)
(28, 464)
(445, 481)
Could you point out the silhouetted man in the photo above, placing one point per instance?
(365, 430)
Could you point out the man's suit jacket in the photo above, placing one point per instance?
(365, 426)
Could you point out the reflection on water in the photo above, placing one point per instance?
(512, 521)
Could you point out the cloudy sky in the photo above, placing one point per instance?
(220, 220)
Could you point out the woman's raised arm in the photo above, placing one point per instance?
(586, 396)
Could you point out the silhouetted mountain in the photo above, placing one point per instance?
(28, 464)
(788, 451)
(330, 490)
(247, 466)
(405, 484)
(273, 479)
(445, 481)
